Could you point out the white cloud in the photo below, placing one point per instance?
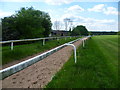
(87, 20)
(59, 2)
(72, 11)
(75, 8)
(104, 21)
(92, 23)
(21, 0)
(106, 10)
(111, 11)
(5, 14)
(52, 2)
(97, 8)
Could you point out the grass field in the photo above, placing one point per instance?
(22, 51)
(97, 66)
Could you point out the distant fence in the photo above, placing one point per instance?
(36, 39)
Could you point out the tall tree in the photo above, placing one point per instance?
(33, 22)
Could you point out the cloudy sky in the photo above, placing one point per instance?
(96, 16)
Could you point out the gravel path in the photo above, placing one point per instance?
(40, 73)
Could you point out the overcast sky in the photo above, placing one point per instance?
(96, 16)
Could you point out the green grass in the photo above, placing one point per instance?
(22, 51)
(96, 67)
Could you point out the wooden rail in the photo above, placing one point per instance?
(23, 40)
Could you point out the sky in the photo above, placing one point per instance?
(96, 15)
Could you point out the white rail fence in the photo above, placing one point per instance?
(75, 56)
(22, 65)
(36, 39)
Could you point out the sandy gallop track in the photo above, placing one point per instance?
(40, 73)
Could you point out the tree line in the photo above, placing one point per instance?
(30, 23)
(26, 23)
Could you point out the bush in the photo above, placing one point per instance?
(79, 30)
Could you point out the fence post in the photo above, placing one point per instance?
(43, 41)
(57, 39)
(83, 43)
(11, 45)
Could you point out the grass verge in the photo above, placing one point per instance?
(97, 66)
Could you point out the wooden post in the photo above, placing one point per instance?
(43, 41)
(11, 45)
(83, 43)
(57, 39)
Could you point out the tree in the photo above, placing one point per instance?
(46, 23)
(9, 31)
(26, 23)
(79, 30)
(35, 23)
(118, 33)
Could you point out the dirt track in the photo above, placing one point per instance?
(40, 73)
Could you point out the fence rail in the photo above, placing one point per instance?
(3, 42)
(35, 39)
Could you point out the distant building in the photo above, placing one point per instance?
(59, 33)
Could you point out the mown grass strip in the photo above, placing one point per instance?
(22, 51)
(93, 69)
